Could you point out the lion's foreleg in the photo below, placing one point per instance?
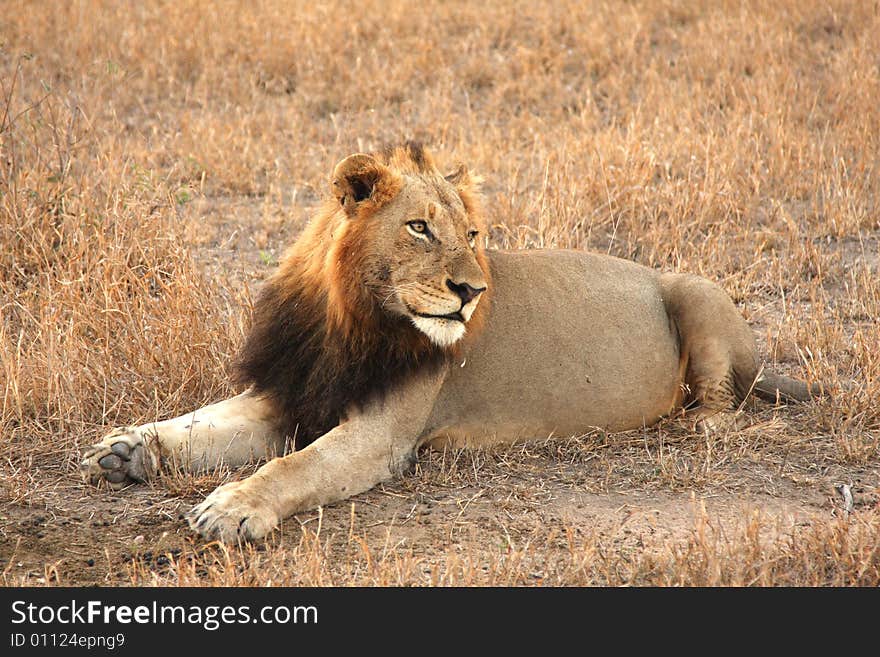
(232, 432)
(343, 462)
(371, 447)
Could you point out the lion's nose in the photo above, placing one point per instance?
(465, 291)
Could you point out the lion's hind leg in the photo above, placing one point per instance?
(231, 432)
(718, 352)
(713, 390)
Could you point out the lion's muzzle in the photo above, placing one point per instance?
(465, 291)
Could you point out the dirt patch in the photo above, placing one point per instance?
(485, 502)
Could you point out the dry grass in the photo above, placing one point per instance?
(836, 554)
(155, 159)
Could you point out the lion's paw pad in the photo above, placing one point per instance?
(119, 459)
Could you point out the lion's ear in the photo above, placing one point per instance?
(463, 179)
(358, 178)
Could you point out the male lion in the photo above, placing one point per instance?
(388, 327)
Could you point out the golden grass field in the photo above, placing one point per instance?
(157, 157)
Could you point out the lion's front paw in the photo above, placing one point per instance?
(121, 458)
(231, 514)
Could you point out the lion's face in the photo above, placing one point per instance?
(427, 244)
(420, 241)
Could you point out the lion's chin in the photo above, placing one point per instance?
(442, 332)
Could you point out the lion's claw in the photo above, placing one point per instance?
(231, 515)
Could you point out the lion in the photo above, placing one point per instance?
(389, 326)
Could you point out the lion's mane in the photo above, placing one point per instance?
(319, 342)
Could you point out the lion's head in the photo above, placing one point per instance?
(385, 281)
(412, 235)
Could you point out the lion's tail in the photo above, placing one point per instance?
(772, 387)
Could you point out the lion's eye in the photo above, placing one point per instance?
(472, 236)
(419, 228)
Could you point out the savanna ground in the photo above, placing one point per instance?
(157, 157)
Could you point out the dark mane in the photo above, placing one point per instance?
(312, 375)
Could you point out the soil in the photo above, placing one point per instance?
(79, 535)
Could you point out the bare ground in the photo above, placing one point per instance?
(544, 503)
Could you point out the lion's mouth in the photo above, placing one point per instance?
(443, 330)
(456, 316)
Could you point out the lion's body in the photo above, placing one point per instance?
(382, 333)
(535, 371)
